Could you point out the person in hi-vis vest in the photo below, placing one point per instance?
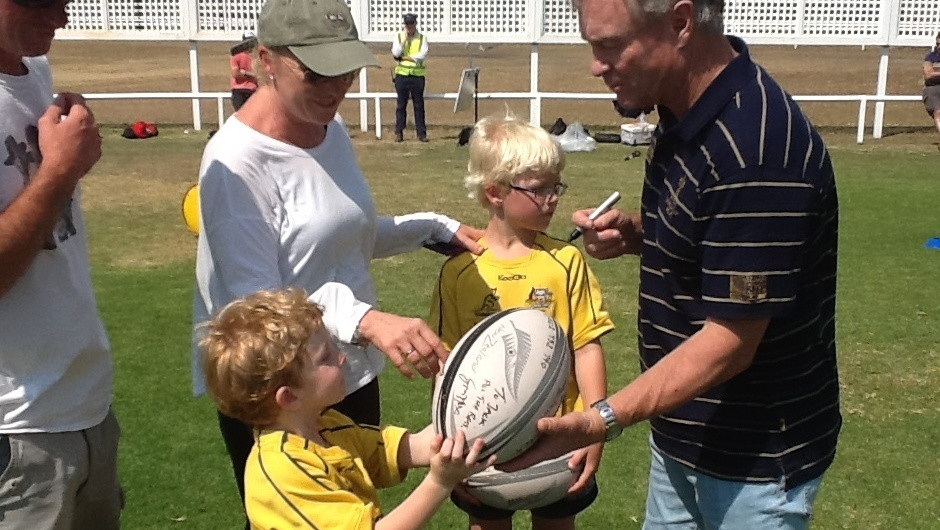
(410, 48)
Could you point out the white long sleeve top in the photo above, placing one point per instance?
(275, 215)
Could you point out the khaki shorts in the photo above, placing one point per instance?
(932, 99)
(64, 480)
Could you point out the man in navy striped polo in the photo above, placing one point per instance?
(737, 235)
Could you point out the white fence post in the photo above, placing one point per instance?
(891, 11)
(363, 103)
(189, 23)
(535, 101)
(536, 26)
(360, 10)
(860, 133)
(881, 90)
(194, 84)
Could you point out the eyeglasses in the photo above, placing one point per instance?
(543, 193)
(316, 79)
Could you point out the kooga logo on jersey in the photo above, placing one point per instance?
(511, 277)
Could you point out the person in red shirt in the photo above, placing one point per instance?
(244, 83)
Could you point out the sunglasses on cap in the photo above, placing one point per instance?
(40, 4)
(315, 79)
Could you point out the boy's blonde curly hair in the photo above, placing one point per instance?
(503, 148)
(255, 346)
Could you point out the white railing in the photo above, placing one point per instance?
(862, 108)
(377, 97)
(219, 97)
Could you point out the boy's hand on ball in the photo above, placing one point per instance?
(449, 464)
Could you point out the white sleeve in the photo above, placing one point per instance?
(404, 233)
(342, 311)
(396, 48)
(423, 52)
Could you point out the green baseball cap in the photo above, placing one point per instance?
(321, 33)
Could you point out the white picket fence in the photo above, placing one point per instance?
(881, 23)
(802, 22)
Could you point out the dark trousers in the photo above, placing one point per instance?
(363, 406)
(240, 96)
(409, 86)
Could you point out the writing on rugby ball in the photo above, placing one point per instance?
(502, 376)
(536, 486)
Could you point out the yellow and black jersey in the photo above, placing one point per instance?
(292, 482)
(554, 278)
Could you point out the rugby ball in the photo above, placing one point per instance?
(533, 487)
(506, 373)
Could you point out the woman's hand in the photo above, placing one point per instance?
(467, 237)
(408, 342)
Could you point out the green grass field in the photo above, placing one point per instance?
(173, 465)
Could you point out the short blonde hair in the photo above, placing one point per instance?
(503, 148)
(255, 346)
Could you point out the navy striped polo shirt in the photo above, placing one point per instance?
(740, 221)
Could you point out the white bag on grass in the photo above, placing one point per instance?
(575, 138)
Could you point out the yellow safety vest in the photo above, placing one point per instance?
(409, 48)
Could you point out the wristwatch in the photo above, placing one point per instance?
(614, 429)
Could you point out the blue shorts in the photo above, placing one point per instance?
(680, 497)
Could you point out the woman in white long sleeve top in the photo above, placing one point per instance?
(284, 203)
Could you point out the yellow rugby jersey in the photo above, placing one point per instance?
(292, 482)
(554, 278)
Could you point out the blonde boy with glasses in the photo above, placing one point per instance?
(515, 173)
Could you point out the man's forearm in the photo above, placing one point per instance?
(26, 223)
(716, 353)
(930, 72)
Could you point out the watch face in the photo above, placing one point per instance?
(613, 430)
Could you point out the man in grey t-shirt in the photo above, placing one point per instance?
(58, 437)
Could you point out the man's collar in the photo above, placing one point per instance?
(713, 100)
